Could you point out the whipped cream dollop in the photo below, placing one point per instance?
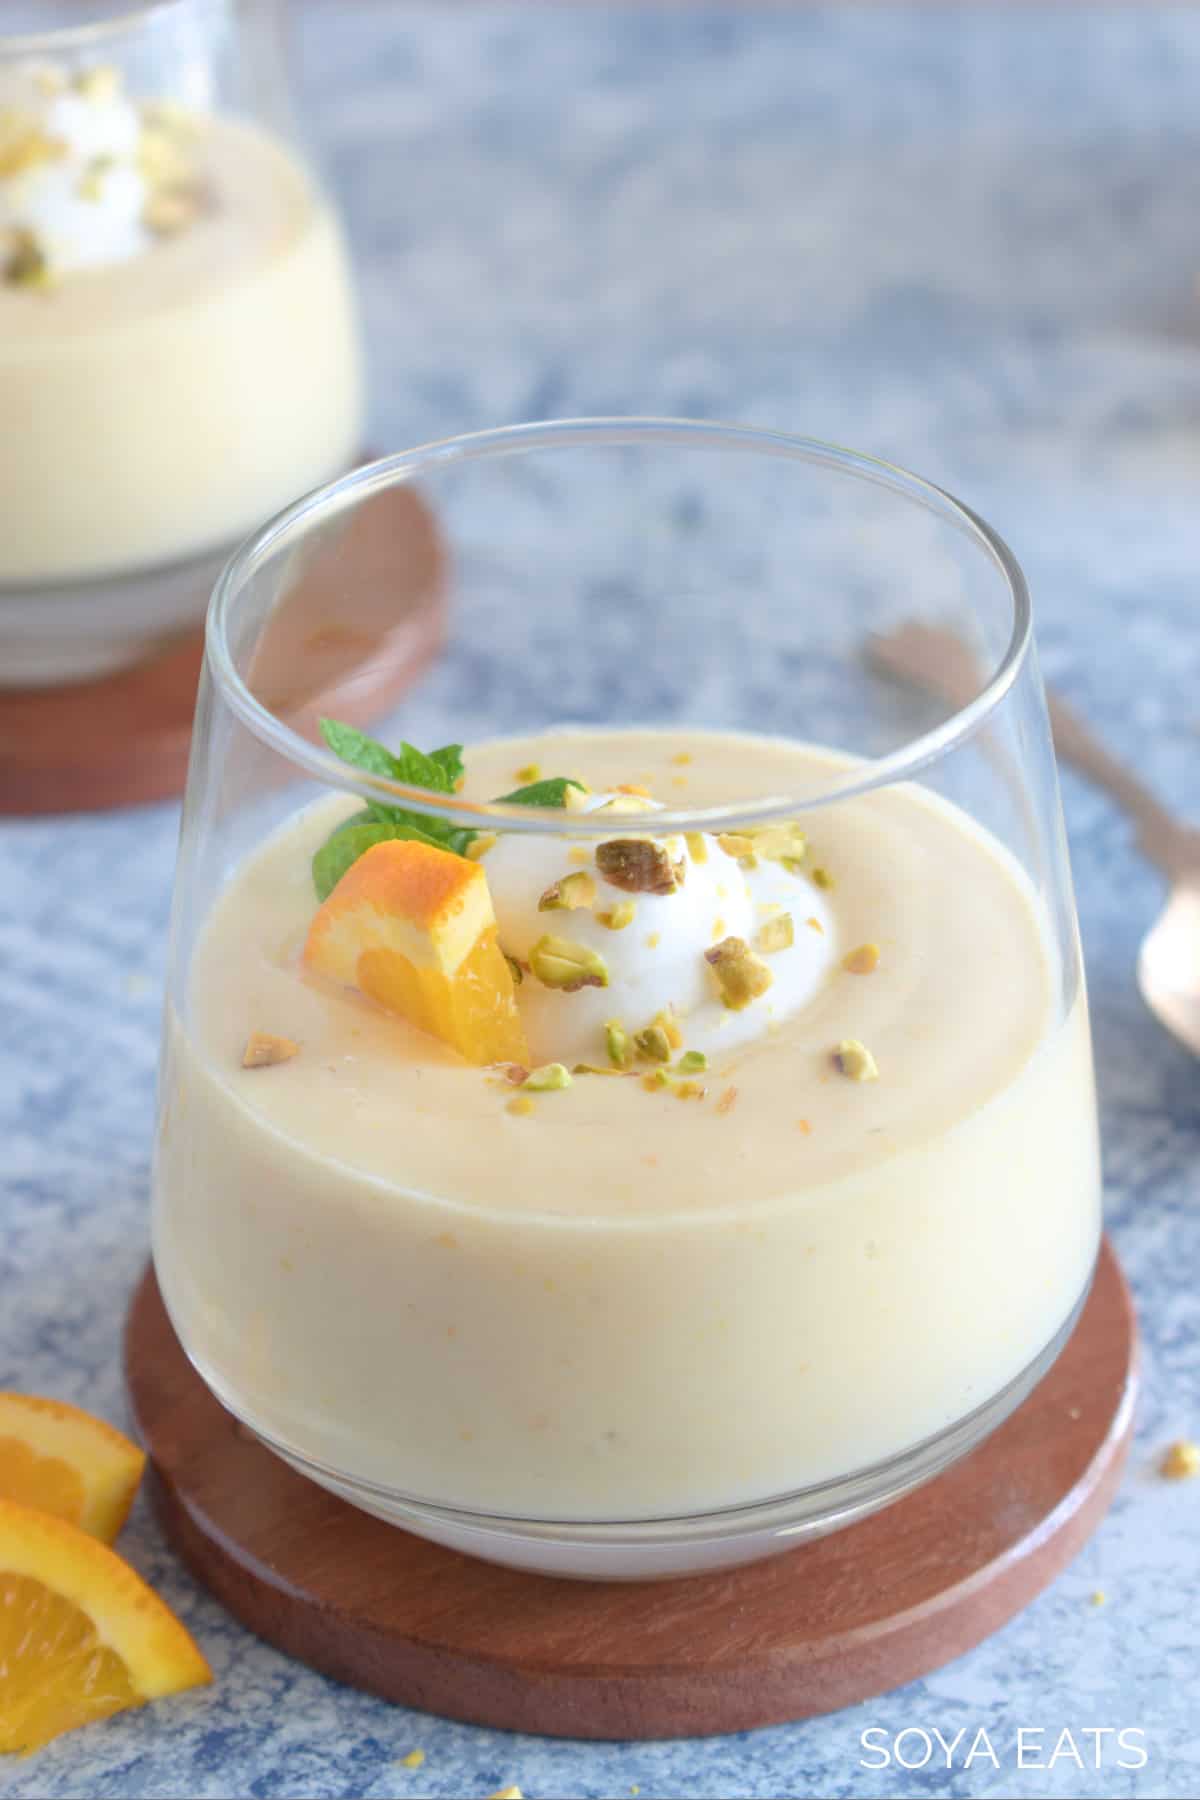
(655, 962)
(86, 174)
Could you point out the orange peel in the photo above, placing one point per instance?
(413, 928)
(81, 1635)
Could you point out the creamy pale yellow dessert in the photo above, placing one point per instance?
(178, 348)
(790, 1226)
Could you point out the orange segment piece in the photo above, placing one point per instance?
(412, 927)
(65, 1462)
(81, 1636)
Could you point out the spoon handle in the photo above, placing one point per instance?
(939, 661)
(1173, 846)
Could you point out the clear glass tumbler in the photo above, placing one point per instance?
(642, 1175)
(178, 340)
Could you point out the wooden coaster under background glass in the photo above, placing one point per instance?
(820, 1627)
(350, 639)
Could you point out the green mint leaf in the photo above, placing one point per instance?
(379, 825)
(345, 847)
(360, 751)
(457, 838)
(419, 770)
(552, 792)
(439, 771)
(450, 760)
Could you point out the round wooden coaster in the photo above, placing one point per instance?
(814, 1629)
(355, 630)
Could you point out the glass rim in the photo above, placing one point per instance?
(126, 19)
(336, 497)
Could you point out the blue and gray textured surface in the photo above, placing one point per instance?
(963, 238)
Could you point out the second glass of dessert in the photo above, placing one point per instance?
(632, 1109)
(178, 344)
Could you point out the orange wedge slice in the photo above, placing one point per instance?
(81, 1636)
(413, 927)
(65, 1462)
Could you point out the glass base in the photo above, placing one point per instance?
(657, 1549)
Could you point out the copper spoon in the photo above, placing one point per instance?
(1168, 969)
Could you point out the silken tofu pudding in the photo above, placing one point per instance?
(599, 1177)
(178, 349)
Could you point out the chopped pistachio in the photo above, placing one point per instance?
(1181, 1461)
(822, 878)
(594, 1069)
(862, 961)
(670, 1024)
(25, 147)
(530, 773)
(735, 843)
(624, 802)
(25, 264)
(49, 80)
(547, 1079)
(690, 1090)
(161, 159)
(653, 1043)
(100, 83)
(616, 1042)
(637, 865)
(657, 1078)
(692, 1062)
(513, 1073)
(784, 843)
(171, 211)
(90, 185)
(776, 934)
(697, 845)
(616, 918)
(560, 963)
(264, 1049)
(479, 846)
(169, 115)
(514, 968)
(569, 893)
(855, 1061)
(741, 975)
